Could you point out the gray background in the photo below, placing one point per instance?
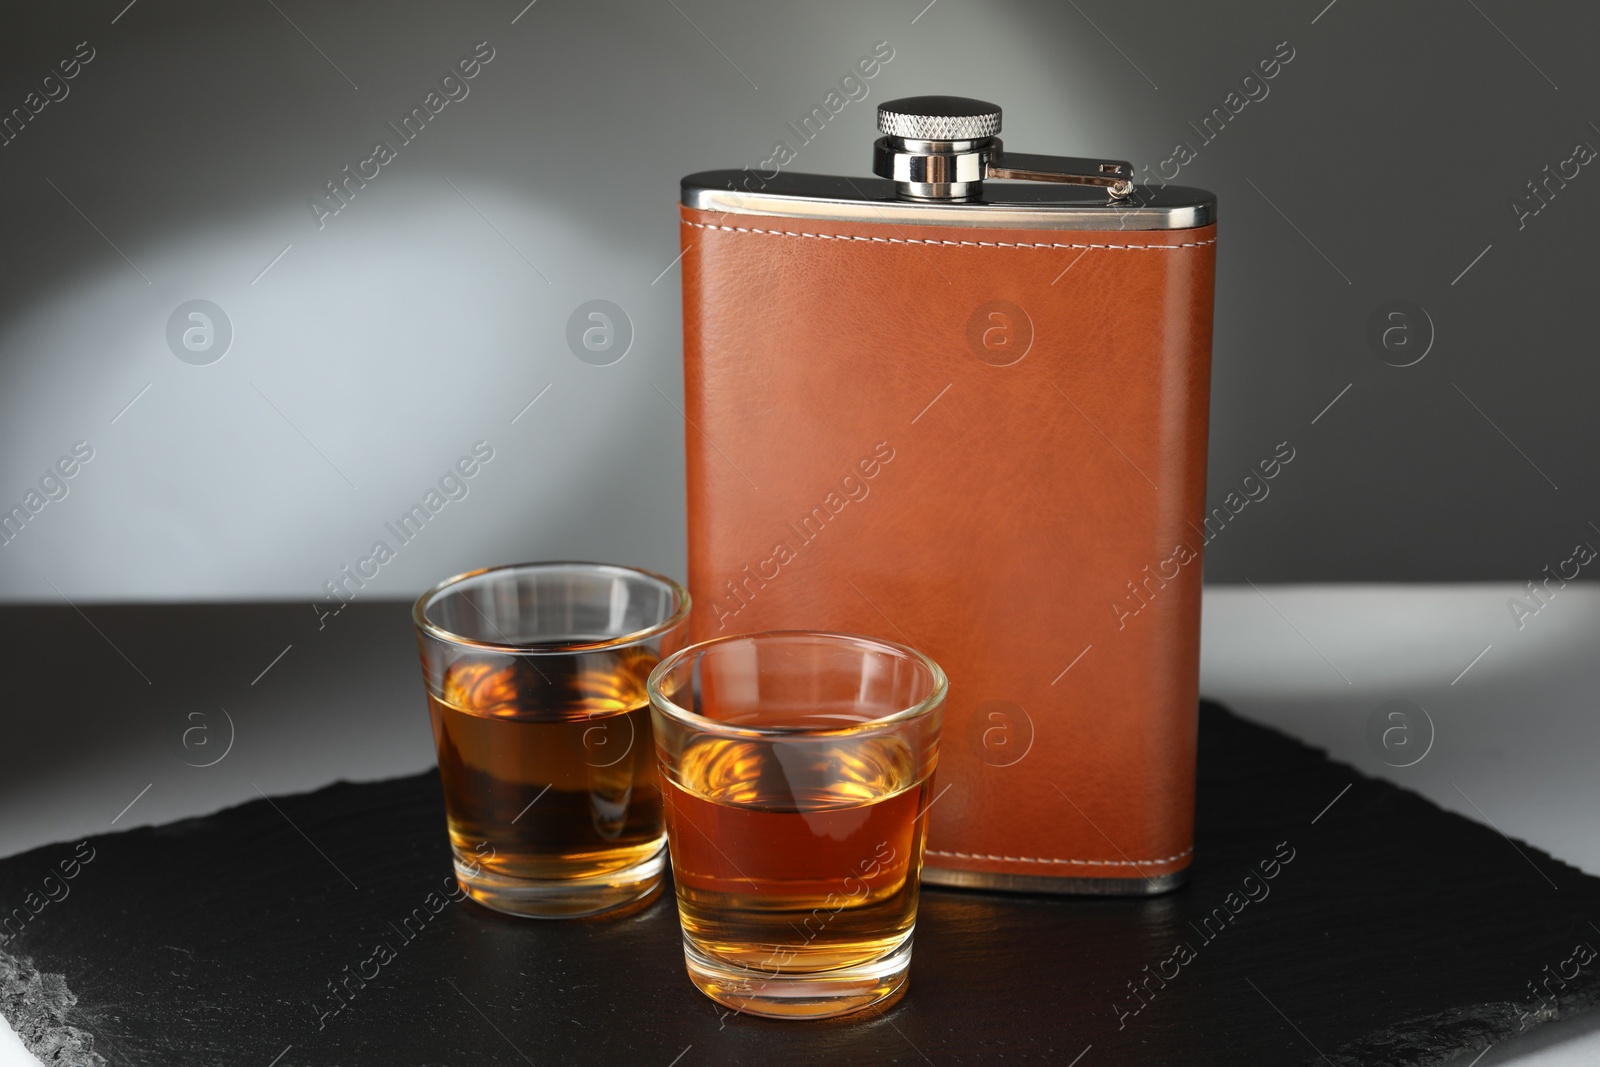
(424, 317)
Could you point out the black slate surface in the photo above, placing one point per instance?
(1392, 932)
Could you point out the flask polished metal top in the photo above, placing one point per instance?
(944, 147)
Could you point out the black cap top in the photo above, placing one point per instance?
(938, 118)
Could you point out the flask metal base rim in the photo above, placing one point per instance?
(949, 878)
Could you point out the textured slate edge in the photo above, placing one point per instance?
(1416, 1041)
(37, 1006)
(41, 1008)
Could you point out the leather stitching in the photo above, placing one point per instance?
(984, 244)
(959, 244)
(1035, 859)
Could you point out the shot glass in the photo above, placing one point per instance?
(536, 685)
(797, 768)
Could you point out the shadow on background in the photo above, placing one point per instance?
(372, 346)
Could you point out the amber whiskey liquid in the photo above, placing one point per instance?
(549, 776)
(797, 859)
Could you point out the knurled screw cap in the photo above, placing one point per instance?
(938, 118)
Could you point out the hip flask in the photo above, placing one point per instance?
(963, 406)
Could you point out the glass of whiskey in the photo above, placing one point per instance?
(536, 685)
(796, 768)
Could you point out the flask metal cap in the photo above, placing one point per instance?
(944, 147)
(938, 118)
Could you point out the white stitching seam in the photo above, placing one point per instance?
(958, 244)
(1034, 859)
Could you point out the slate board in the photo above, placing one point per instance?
(1396, 933)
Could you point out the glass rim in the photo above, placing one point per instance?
(666, 706)
(550, 648)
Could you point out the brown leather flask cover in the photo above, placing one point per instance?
(986, 441)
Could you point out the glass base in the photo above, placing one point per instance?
(613, 894)
(816, 995)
